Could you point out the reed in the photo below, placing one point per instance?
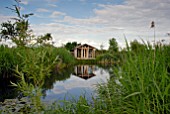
(8, 60)
(141, 86)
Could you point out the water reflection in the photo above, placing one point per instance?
(83, 79)
(84, 71)
(57, 75)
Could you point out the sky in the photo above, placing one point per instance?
(95, 21)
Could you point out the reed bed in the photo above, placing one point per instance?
(141, 84)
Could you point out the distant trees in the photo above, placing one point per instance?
(71, 45)
(137, 46)
(111, 55)
(113, 45)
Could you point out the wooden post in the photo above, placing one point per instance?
(75, 53)
(82, 52)
(94, 53)
(88, 52)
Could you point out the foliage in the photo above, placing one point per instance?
(58, 74)
(71, 45)
(136, 46)
(106, 57)
(43, 39)
(141, 85)
(37, 65)
(65, 56)
(8, 60)
(113, 46)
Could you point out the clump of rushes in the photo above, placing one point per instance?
(8, 60)
(141, 86)
(65, 56)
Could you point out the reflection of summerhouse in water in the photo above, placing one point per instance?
(84, 71)
(84, 51)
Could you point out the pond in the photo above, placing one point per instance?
(68, 84)
(77, 81)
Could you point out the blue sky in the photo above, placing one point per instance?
(95, 21)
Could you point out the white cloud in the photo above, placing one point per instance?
(131, 19)
(25, 2)
(52, 5)
(42, 10)
(57, 14)
(88, 21)
(135, 17)
(4, 18)
(64, 33)
(63, 87)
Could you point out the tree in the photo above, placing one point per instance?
(113, 47)
(71, 45)
(43, 39)
(136, 46)
(19, 31)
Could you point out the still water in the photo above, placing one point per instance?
(80, 80)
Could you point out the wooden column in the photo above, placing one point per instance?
(75, 53)
(81, 70)
(82, 52)
(75, 70)
(88, 52)
(94, 53)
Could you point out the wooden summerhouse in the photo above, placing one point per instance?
(84, 51)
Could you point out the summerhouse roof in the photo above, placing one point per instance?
(84, 45)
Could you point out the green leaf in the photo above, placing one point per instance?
(14, 84)
(17, 11)
(133, 94)
(166, 90)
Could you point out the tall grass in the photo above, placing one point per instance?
(8, 60)
(65, 56)
(144, 85)
(25, 57)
